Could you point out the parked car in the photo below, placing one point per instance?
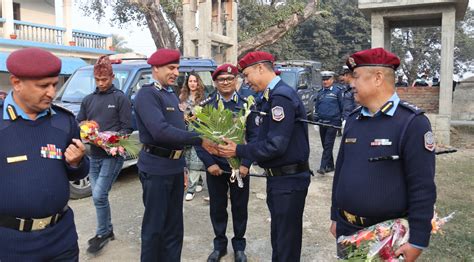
(305, 77)
(130, 76)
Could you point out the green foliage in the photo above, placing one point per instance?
(118, 43)
(216, 123)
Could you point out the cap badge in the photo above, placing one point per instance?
(229, 69)
(352, 62)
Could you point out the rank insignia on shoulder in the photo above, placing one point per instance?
(278, 113)
(350, 140)
(170, 109)
(15, 159)
(429, 141)
(381, 142)
(50, 151)
(12, 113)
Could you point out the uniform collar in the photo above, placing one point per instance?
(234, 98)
(271, 86)
(328, 88)
(160, 87)
(11, 110)
(388, 108)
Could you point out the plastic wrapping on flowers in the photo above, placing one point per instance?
(215, 123)
(113, 143)
(380, 241)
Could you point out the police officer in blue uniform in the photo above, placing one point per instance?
(348, 103)
(161, 164)
(328, 108)
(219, 172)
(282, 149)
(41, 151)
(386, 163)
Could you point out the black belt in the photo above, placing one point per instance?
(287, 170)
(365, 221)
(31, 224)
(163, 152)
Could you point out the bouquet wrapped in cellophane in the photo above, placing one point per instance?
(215, 123)
(380, 241)
(113, 143)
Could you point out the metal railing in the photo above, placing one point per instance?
(90, 39)
(56, 35)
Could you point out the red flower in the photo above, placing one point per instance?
(113, 139)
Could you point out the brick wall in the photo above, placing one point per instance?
(427, 98)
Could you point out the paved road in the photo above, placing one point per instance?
(127, 211)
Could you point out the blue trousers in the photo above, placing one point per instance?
(286, 210)
(102, 173)
(218, 187)
(162, 225)
(328, 136)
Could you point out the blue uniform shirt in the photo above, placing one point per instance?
(348, 103)
(387, 187)
(328, 106)
(34, 179)
(235, 104)
(160, 123)
(282, 139)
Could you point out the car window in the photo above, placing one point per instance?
(144, 77)
(304, 79)
(82, 83)
(205, 76)
(289, 78)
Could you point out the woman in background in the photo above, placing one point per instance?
(191, 95)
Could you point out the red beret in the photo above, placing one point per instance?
(373, 57)
(33, 62)
(163, 57)
(253, 58)
(225, 68)
(277, 72)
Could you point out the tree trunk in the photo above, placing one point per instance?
(160, 29)
(272, 34)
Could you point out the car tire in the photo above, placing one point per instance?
(80, 188)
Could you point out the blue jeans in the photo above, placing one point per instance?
(102, 174)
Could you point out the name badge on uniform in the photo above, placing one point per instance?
(381, 142)
(278, 113)
(350, 140)
(15, 159)
(170, 109)
(50, 151)
(429, 141)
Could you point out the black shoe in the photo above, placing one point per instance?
(98, 242)
(320, 171)
(216, 255)
(328, 169)
(239, 256)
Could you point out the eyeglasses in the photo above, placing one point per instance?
(223, 80)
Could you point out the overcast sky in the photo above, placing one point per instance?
(139, 39)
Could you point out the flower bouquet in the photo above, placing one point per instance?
(113, 143)
(380, 241)
(215, 123)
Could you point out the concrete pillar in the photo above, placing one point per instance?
(231, 27)
(381, 33)
(446, 74)
(67, 21)
(7, 13)
(205, 22)
(188, 25)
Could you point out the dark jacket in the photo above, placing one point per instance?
(111, 109)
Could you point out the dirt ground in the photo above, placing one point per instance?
(127, 211)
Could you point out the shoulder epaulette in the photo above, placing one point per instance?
(206, 101)
(411, 107)
(62, 108)
(357, 109)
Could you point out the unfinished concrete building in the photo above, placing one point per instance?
(389, 14)
(210, 29)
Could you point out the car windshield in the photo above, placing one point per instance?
(289, 78)
(82, 83)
